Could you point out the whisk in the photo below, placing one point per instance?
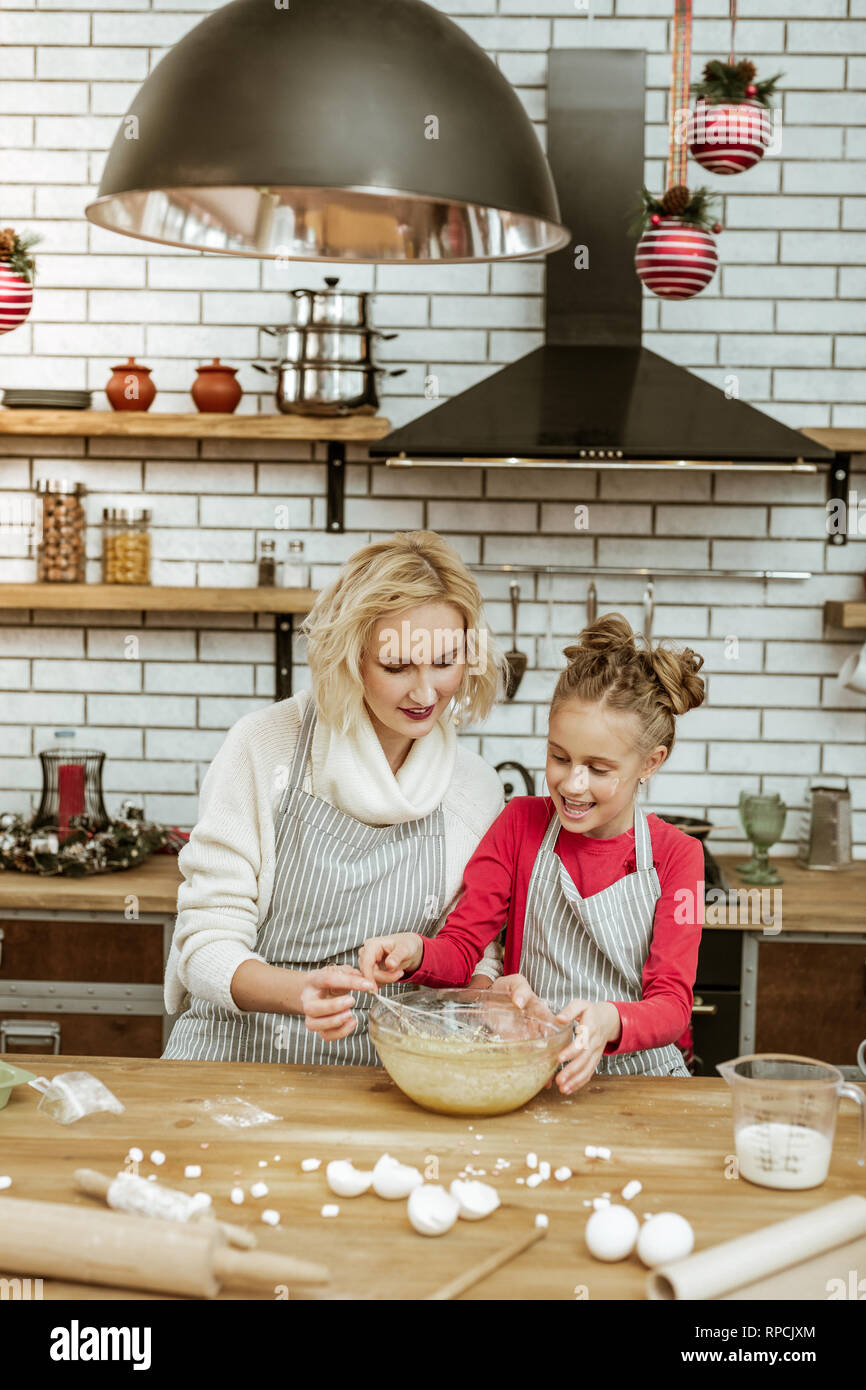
(426, 1024)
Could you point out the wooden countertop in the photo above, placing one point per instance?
(811, 899)
(674, 1135)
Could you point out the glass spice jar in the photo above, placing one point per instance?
(60, 555)
(125, 546)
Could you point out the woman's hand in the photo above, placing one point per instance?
(598, 1025)
(521, 994)
(325, 1003)
(385, 959)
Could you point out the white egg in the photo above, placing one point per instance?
(475, 1199)
(664, 1238)
(393, 1179)
(432, 1210)
(611, 1233)
(345, 1179)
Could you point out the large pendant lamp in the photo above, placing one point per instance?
(360, 130)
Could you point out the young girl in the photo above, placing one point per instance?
(603, 903)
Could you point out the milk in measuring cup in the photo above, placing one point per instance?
(782, 1155)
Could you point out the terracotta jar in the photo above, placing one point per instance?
(130, 387)
(215, 388)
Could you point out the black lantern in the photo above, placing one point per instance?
(71, 786)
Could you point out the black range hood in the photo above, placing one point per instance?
(593, 393)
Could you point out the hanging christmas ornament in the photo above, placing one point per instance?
(17, 271)
(731, 127)
(676, 255)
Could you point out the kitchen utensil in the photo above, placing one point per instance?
(785, 1115)
(825, 829)
(316, 388)
(155, 1200)
(648, 610)
(735, 1267)
(352, 347)
(528, 779)
(54, 1240)
(763, 819)
(216, 388)
(853, 672)
(12, 1076)
(18, 398)
(517, 660)
(591, 603)
(330, 307)
(476, 1273)
(501, 1057)
(130, 387)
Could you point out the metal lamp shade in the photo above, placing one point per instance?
(362, 130)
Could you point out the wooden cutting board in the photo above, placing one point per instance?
(672, 1134)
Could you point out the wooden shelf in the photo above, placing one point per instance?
(845, 441)
(141, 424)
(154, 597)
(851, 614)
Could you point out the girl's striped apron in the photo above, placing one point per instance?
(337, 881)
(595, 948)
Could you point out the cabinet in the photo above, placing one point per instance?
(91, 980)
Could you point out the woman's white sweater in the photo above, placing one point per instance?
(228, 863)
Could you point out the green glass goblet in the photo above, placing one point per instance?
(763, 819)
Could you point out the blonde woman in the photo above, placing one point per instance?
(346, 811)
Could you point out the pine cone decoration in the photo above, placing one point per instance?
(676, 200)
(747, 71)
(7, 243)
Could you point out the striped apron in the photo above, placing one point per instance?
(337, 881)
(595, 948)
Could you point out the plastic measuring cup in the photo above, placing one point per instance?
(785, 1115)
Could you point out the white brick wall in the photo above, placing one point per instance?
(785, 314)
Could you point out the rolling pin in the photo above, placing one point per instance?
(52, 1240)
(128, 1193)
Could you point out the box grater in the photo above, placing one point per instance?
(825, 837)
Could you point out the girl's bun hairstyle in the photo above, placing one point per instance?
(607, 666)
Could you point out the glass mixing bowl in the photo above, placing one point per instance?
(466, 1051)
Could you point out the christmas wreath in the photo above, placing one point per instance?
(691, 208)
(734, 83)
(15, 252)
(125, 841)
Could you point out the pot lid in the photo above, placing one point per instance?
(361, 130)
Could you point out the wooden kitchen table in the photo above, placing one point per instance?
(674, 1135)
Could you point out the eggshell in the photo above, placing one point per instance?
(611, 1233)
(346, 1180)
(475, 1199)
(432, 1210)
(393, 1179)
(664, 1238)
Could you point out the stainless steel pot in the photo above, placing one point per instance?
(330, 307)
(352, 346)
(321, 388)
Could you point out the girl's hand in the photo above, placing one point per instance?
(325, 1003)
(521, 993)
(598, 1024)
(385, 959)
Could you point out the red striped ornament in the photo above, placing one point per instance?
(16, 299)
(730, 137)
(675, 259)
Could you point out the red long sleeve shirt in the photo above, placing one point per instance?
(496, 883)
